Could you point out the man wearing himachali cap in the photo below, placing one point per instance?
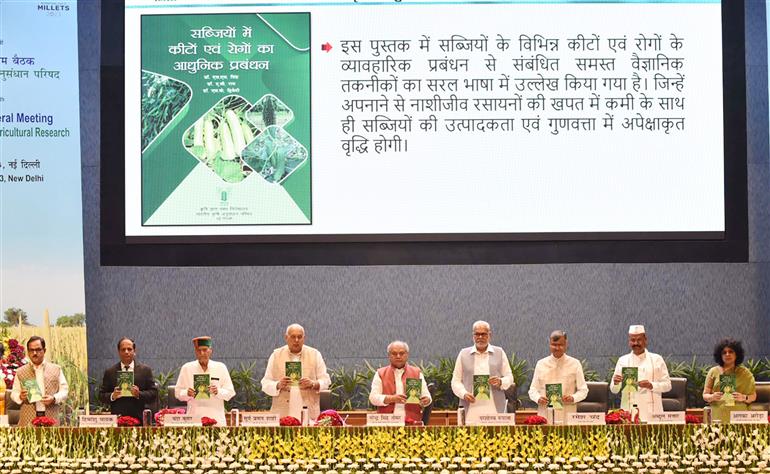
(652, 379)
(200, 403)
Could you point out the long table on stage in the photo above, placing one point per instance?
(241, 450)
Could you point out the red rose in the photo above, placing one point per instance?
(43, 421)
(691, 419)
(128, 421)
(617, 417)
(289, 421)
(412, 422)
(168, 411)
(535, 420)
(329, 418)
(206, 421)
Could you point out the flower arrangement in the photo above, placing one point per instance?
(617, 417)
(43, 421)
(11, 359)
(128, 421)
(329, 418)
(535, 420)
(168, 411)
(206, 421)
(412, 422)
(691, 420)
(289, 421)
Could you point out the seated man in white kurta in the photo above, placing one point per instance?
(653, 376)
(288, 398)
(220, 390)
(558, 368)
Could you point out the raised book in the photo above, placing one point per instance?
(553, 394)
(201, 384)
(481, 387)
(125, 382)
(34, 394)
(294, 372)
(413, 390)
(628, 387)
(727, 387)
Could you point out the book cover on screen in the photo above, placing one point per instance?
(201, 383)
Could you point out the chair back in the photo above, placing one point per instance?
(763, 396)
(512, 399)
(428, 409)
(154, 404)
(676, 398)
(597, 398)
(174, 402)
(12, 409)
(325, 400)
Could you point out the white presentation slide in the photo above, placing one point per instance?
(419, 117)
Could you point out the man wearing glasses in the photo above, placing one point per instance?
(39, 387)
(475, 362)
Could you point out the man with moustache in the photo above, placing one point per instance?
(50, 380)
(388, 391)
(143, 392)
(653, 378)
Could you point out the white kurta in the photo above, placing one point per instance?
(214, 407)
(565, 370)
(652, 367)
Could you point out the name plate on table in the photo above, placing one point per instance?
(384, 419)
(499, 419)
(260, 419)
(4, 421)
(667, 418)
(181, 420)
(98, 421)
(587, 419)
(748, 417)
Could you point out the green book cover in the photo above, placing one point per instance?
(201, 383)
(294, 372)
(34, 394)
(413, 390)
(553, 394)
(630, 379)
(727, 387)
(125, 382)
(481, 387)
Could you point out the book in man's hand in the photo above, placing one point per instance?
(413, 390)
(125, 382)
(294, 372)
(201, 384)
(481, 389)
(34, 394)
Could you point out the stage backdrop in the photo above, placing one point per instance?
(41, 232)
(352, 312)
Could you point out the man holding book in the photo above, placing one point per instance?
(128, 386)
(481, 370)
(295, 375)
(39, 387)
(558, 380)
(205, 384)
(640, 376)
(399, 388)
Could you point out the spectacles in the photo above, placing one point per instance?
(480, 334)
(36, 350)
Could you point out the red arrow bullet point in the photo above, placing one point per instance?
(326, 47)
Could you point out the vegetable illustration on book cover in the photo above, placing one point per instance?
(727, 387)
(125, 382)
(628, 386)
(294, 372)
(201, 383)
(481, 387)
(553, 394)
(34, 394)
(413, 389)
